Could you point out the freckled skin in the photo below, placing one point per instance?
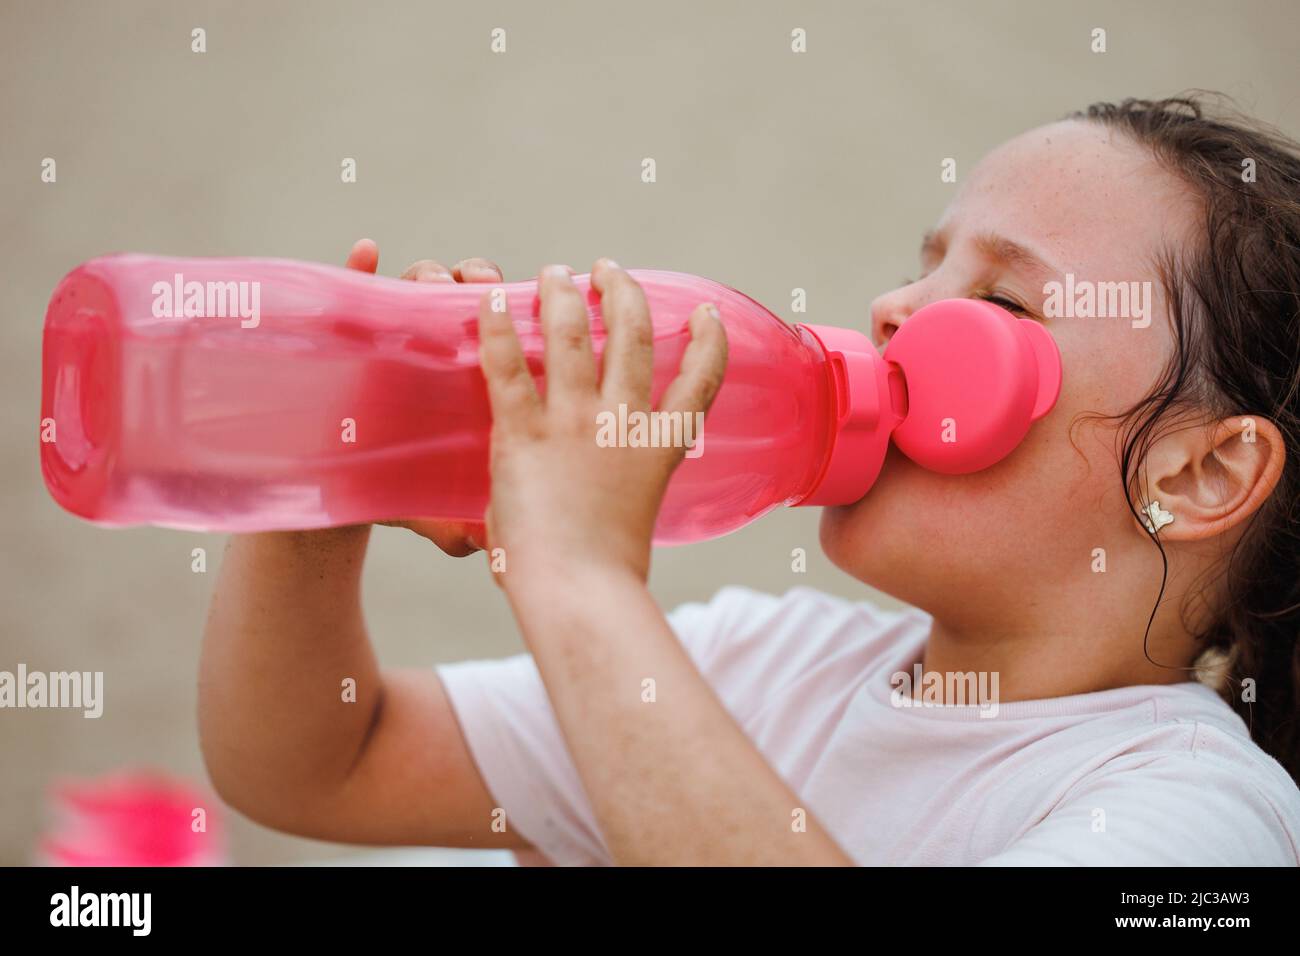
(1007, 552)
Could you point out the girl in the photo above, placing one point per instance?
(1146, 668)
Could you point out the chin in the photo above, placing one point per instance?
(852, 534)
(873, 548)
(861, 543)
(892, 540)
(830, 533)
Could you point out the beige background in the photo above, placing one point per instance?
(775, 170)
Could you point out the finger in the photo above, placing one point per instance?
(475, 534)
(511, 391)
(426, 270)
(628, 365)
(703, 365)
(455, 547)
(364, 256)
(459, 540)
(477, 270)
(570, 365)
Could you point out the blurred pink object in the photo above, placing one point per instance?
(133, 818)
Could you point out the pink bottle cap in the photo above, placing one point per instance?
(977, 378)
(958, 387)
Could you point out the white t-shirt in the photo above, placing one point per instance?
(1148, 775)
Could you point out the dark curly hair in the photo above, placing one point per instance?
(1235, 303)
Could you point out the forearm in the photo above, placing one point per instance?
(671, 776)
(284, 631)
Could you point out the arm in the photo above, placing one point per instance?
(671, 782)
(281, 743)
(674, 781)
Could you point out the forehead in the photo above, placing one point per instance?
(1089, 196)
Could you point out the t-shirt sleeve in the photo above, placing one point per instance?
(1160, 810)
(516, 742)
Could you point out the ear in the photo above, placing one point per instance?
(1212, 477)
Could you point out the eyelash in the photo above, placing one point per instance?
(1011, 305)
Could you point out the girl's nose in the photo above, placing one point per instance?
(888, 313)
(890, 310)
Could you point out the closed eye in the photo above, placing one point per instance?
(1002, 301)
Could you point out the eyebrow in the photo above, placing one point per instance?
(993, 246)
(932, 244)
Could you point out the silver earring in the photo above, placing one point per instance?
(1155, 517)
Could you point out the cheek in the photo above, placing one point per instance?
(917, 530)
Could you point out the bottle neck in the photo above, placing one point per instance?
(866, 398)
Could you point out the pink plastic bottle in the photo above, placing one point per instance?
(255, 394)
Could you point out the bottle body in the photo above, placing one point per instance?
(249, 394)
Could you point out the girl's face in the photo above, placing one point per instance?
(1070, 198)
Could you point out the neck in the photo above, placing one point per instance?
(1056, 651)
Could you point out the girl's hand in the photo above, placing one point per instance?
(559, 500)
(456, 538)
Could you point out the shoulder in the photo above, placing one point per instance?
(1231, 778)
(1199, 745)
(1188, 792)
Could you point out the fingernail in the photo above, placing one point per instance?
(611, 263)
(712, 310)
(556, 272)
